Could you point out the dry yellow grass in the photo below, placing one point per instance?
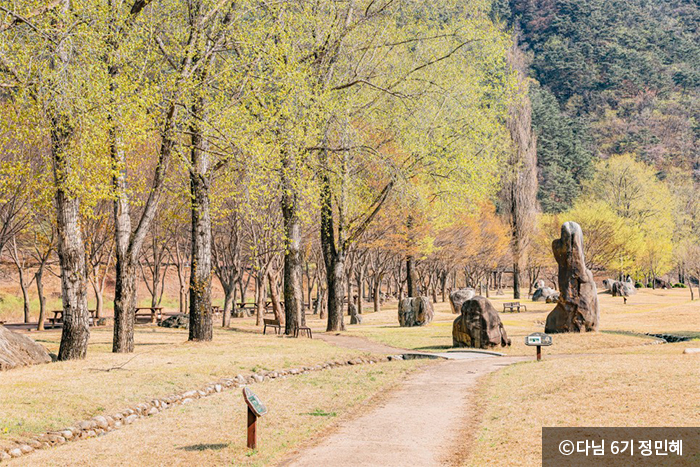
(599, 390)
(657, 311)
(211, 431)
(46, 397)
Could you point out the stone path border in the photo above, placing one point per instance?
(103, 424)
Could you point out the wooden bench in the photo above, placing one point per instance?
(513, 306)
(58, 318)
(155, 312)
(274, 324)
(303, 330)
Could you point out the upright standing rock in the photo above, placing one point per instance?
(577, 309)
(415, 311)
(478, 326)
(460, 296)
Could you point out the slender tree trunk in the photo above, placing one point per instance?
(71, 255)
(201, 323)
(38, 277)
(229, 303)
(25, 295)
(360, 288)
(259, 298)
(124, 305)
(293, 297)
(377, 293)
(275, 298)
(516, 280)
(334, 260)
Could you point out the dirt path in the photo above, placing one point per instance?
(415, 425)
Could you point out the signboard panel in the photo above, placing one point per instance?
(254, 403)
(538, 338)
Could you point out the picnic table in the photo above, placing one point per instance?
(152, 311)
(513, 306)
(58, 317)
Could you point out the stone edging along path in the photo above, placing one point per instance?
(103, 424)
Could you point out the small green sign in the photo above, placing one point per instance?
(254, 402)
(538, 338)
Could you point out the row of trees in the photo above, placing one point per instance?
(260, 125)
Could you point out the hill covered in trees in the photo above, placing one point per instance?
(613, 77)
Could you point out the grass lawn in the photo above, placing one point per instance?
(211, 431)
(655, 311)
(46, 397)
(644, 389)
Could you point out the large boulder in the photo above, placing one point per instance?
(623, 289)
(608, 283)
(415, 311)
(19, 350)
(554, 298)
(542, 294)
(478, 326)
(460, 296)
(355, 317)
(577, 309)
(179, 320)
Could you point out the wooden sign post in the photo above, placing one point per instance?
(538, 339)
(255, 409)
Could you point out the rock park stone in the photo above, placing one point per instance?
(181, 321)
(554, 298)
(460, 296)
(415, 311)
(355, 317)
(478, 326)
(623, 289)
(577, 309)
(542, 293)
(608, 283)
(18, 350)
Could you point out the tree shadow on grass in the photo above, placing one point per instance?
(205, 447)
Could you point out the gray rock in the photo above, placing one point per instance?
(16, 452)
(478, 326)
(180, 321)
(542, 293)
(18, 350)
(554, 298)
(460, 296)
(4, 456)
(577, 309)
(101, 422)
(623, 289)
(415, 311)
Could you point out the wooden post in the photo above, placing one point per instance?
(539, 356)
(252, 435)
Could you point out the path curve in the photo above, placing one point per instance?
(413, 426)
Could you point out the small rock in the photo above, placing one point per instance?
(26, 449)
(117, 424)
(218, 388)
(153, 411)
(689, 351)
(86, 425)
(131, 419)
(34, 443)
(16, 452)
(91, 433)
(68, 434)
(186, 400)
(101, 422)
(258, 378)
(189, 394)
(4, 456)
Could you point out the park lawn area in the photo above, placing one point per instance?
(643, 389)
(47, 397)
(211, 431)
(655, 311)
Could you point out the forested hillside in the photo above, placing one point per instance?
(615, 77)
